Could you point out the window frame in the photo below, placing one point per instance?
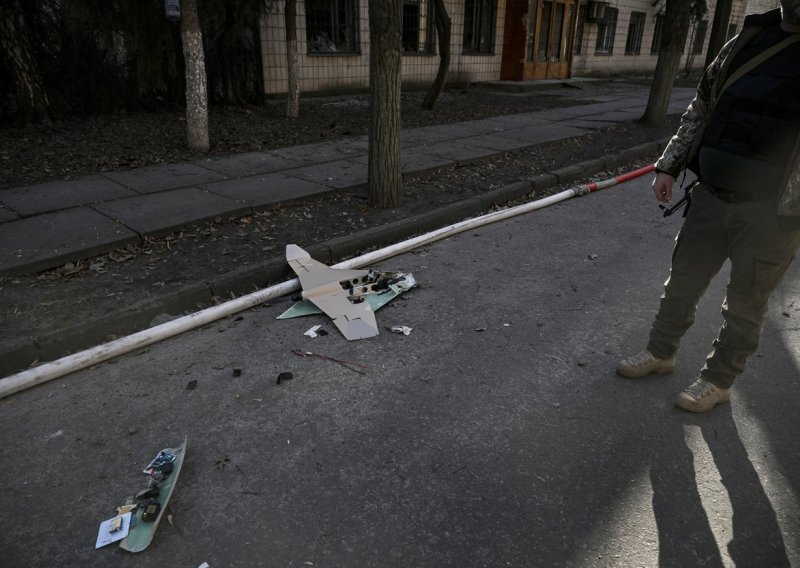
(424, 37)
(658, 34)
(699, 36)
(633, 42)
(606, 32)
(339, 35)
(480, 20)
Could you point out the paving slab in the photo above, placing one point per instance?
(471, 128)
(542, 133)
(460, 152)
(248, 164)
(521, 120)
(50, 240)
(495, 142)
(424, 136)
(307, 154)
(586, 123)
(160, 178)
(56, 195)
(416, 161)
(160, 213)
(338, 174)
(266, 190)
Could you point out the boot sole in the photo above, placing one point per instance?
(692, 406)
(659, 371)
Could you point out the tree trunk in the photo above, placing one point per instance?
(293, 92)
(196, 88)
(719, 29)
(20, 60)
(676, 28)
(384, 174)
(443, 30)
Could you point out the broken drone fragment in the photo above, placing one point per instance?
(349, 297)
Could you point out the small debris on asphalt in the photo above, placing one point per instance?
(593, 256)
(191, 385)
(237, 372)
(348, 364)
(313, 331)
(405, 330)
(285, 376)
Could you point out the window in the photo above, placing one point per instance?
(606, 28)
(419, 30)
(657, 33)
(479, 22)
(633, 45)
(332, 26)
(579, 29)
(699, 33)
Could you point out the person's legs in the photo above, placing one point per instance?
(760, 254)
(700, 249)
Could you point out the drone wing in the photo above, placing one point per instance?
(322, 285)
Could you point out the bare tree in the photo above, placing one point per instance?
(719, 29)
(443, 31)
(673, 40)
(196, 88)
(384, 174)
(293, 92)
(20, 59)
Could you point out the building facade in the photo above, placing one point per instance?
(491, 39)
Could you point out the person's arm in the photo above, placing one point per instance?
(693, 123)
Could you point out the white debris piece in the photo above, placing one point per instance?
(313, 331)
(405, 330)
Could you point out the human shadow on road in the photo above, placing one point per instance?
(685, 534)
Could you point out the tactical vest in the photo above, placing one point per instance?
(756, 121)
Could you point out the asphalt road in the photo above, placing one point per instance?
(495, 434)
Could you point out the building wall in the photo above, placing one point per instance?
(587, 63)
(341, 72)
(332, 72)
(758, 6)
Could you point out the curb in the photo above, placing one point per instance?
(24, 352)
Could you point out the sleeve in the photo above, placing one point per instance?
(693, 122)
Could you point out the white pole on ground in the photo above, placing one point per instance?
(94, 355)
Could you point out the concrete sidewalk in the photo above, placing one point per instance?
(44, 226)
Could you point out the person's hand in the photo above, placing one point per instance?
(662, 187)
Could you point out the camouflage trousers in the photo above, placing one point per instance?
(714, 230)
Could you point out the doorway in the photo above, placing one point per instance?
(551, 33)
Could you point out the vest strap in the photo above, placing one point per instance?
(758, 60)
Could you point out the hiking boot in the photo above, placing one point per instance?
(643, 364)
(702, 396)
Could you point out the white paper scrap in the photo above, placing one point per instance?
(313, 331)
(402, 329)
(106, 536)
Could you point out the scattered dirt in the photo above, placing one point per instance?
(37, 304)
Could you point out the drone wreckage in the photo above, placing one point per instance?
(349, 297)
